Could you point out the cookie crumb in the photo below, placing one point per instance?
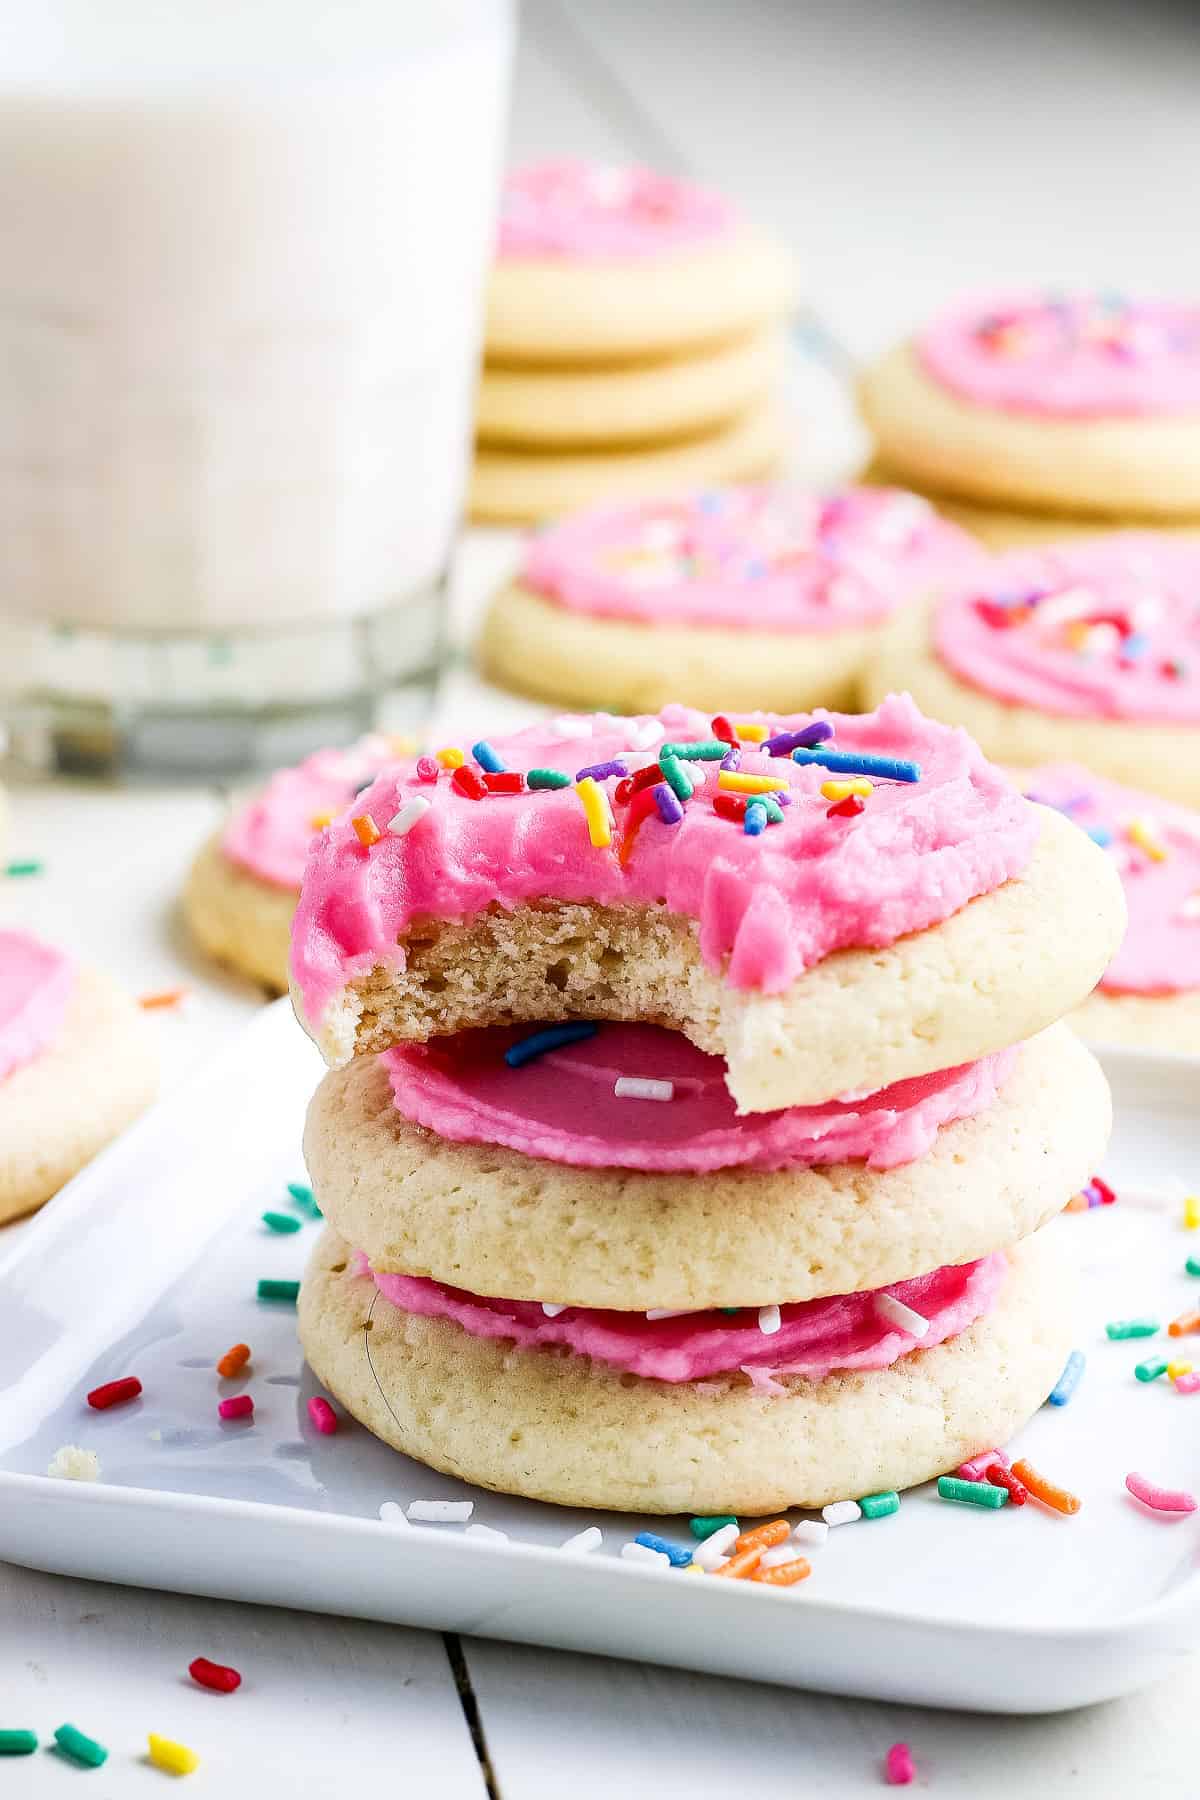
(70, 1463)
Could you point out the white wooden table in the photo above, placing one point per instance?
(906, 149)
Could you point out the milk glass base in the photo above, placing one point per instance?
(83, 700)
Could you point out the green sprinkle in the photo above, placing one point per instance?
(18, 1743)
(774, 810)
(971, 1493)
(24, 868)
(304, 1196)
(280, 1221)
(1131, 1328)
(73, 1742)
(711, 750)
(878, 1506)
(547, 778)
(730, 1312)
(1192, 1265)
(288, 1290)
(1150, 1371)
(675, 776)
(704, 1528)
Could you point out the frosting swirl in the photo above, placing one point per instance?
(596, 212)
(269, 834)
(36, 984)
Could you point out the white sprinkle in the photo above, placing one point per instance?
(710, 1552)
(650, 731)
(778, 1553)
(633, 1087)
(633, 1552)
(392, 1513)
(841, 1512)
(441, 1512)
(810, 1531)
(1191, 907)
(901, 1316)
(572, 725)
(551, 1308)
(487, 1532)
(665, 1312)
(410, 814)
(769, 1320)
(70, 1463)
(584, 1542)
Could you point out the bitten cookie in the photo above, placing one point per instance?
(718, 878)
(77, 1064)
(744, 597)
(1050, 408)
(1087, 652)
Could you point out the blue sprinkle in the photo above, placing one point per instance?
(756, 819)
(679, 1555)
(1100, 834)
(1134, 647)
(601, 771)
(852, 762)
(784, 742)
(487, 759)
(552, 1038)
(1068, 1381)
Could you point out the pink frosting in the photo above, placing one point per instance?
(36, 983)
(815, 1337)
(593, 212)
(771, 558)
(1160, 953)
(1104, 628)
(563, 1108)
(1078, 356)
(270, 834)
(768, 907)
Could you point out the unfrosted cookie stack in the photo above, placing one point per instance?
(1033, 417)
(633, 343)
(760, 1222)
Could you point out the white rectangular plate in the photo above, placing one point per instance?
(148, 1265)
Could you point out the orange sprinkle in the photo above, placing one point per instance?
(234, 1361)
(1077, 1203)
(1186, 1322)
(785, 1574)
(163, 997)
(366, 830)
(765, 1536)
(739, 1567)
(1044, 1490)
(319, 821)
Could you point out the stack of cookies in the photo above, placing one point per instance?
(757, 1219)
(1031, 417)
(633, 343)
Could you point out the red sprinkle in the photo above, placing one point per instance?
(508, 781)
(642, 803)
(214, 1675)
(998, 617)
(999, 1476)
(427, 768)
(114, 1393)
(322, 1416)
(849, 808)
(1107, 1197)
(729, 806)
(238, 1406)
(721, 728)
(630, 785)
(899, 1767)
(468, 781)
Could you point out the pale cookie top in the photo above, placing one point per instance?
(811, 1337)
(36, 983)
(754, 558)
(1156, 849)
(574, 211)
(564, 1106)
(1069, 356)
(269, 835)
(1097, 628)
(775, 882)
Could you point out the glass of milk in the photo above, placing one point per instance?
(244, 248)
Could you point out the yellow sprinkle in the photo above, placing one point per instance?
(692, 1568)
(842, 790)
(595, 811)
(176, 1759)
(751, 734)
(399, 745)
(1191, 1212)
(1144, 834)
(319, 821)
(451, 758)
(1178, 1368)
(735, 783)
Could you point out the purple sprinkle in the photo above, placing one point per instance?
(601, 771)
(732, 758)
(669, 809)
(786, 741)
(783, 797)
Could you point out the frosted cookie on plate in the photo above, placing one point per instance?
(828, 903)
(1149, 995)
(77, 1064)
(242, 887)
(739, 597)
(1087, 651)
(1027, 415)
